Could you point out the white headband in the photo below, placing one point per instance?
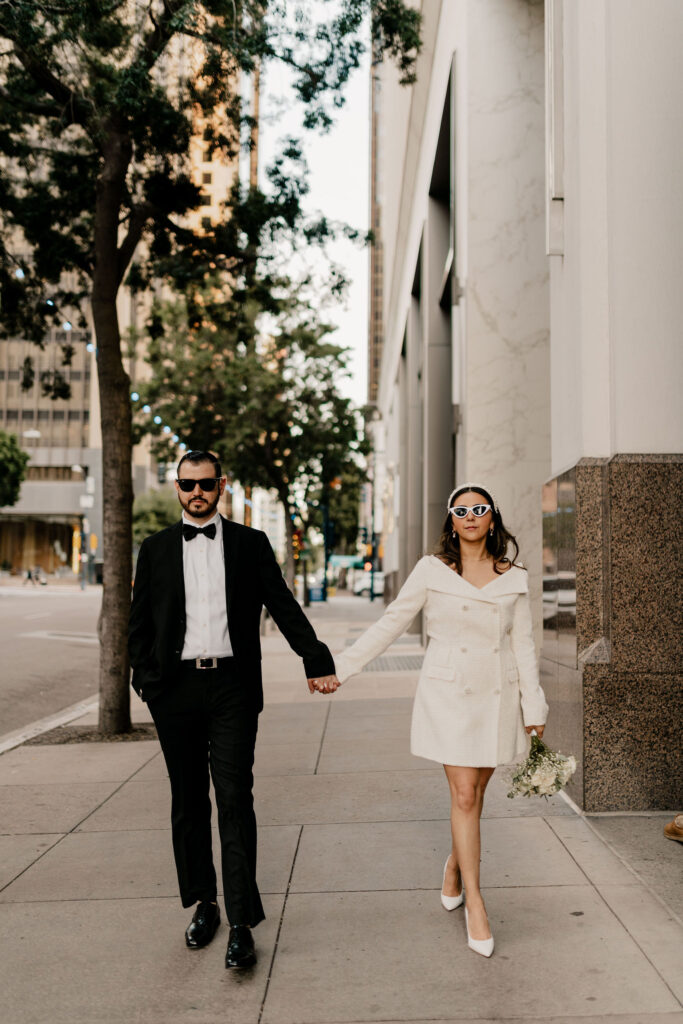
(472, 487)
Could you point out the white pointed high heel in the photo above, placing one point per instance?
(450, 902)
(483, 946)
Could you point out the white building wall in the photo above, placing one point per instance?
(506, 436)
(497, 359)
(616, 300)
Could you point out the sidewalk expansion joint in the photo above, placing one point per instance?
(279, 927)
(611, 909)
(78, 824)
(322, 739)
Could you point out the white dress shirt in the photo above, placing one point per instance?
(206, 613)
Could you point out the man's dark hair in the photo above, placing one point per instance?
(197, 457)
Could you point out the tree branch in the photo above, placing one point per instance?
(139, 215)
(155, 42)
(29, 106)
(71, 106)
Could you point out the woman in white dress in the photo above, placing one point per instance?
(478, 694)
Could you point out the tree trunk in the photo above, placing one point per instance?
(117, 488)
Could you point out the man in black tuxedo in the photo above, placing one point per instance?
(194, 644)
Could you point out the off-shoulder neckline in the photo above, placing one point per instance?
(497, 577)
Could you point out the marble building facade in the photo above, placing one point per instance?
(530, 240)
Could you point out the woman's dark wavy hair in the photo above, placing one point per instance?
(497, 544)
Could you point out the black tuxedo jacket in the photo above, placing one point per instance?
(252, 579)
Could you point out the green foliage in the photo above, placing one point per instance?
(271, 409)
(153, 511)
(343, 504)
(13, 462)
(96, 116)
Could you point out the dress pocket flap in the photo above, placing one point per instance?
(440, 671)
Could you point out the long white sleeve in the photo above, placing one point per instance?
(398, 616)
(534, 706)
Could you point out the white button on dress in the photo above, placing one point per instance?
(462, 714)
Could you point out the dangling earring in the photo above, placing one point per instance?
(491, 531)
(453, 534)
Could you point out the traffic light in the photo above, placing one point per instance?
(364, 534)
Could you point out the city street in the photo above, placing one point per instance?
(49, 646)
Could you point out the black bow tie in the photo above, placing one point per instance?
(190, 532)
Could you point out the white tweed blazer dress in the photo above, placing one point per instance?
(479, 683)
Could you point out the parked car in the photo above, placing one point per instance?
(361, 585)
(559, 599)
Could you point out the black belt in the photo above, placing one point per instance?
(205, 663)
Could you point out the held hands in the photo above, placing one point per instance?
(324, 684)
(539, 729)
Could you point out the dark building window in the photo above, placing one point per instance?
(43, 414)
(75, 375)
(27, 414)
(52, 473)
(74, 414)
(12, 414)
(206, 177)
(58, 414)
(13, 375)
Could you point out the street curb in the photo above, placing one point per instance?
(19, 736)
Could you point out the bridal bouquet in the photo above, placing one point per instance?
(543, 773)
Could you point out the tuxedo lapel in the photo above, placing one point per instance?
(177, 561)
(230, 556)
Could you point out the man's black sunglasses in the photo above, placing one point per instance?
(207, 483)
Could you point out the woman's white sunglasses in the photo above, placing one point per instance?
(460, 511)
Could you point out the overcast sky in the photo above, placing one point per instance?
(339, 174)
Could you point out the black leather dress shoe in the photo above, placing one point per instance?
(202, 927)
(240, 952)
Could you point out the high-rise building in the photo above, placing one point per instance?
(45, 527)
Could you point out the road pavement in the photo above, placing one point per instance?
(353, 833)
(48, 638)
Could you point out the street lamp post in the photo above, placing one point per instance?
(375, 417)
(326, 545)
(372, 527)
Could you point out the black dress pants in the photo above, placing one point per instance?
(206, 722)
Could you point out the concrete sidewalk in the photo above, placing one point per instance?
(353, 834)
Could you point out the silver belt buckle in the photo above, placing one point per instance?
(206, 662)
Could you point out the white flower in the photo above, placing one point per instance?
(543, 773)
(544, 777)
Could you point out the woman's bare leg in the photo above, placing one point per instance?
(467, 786)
